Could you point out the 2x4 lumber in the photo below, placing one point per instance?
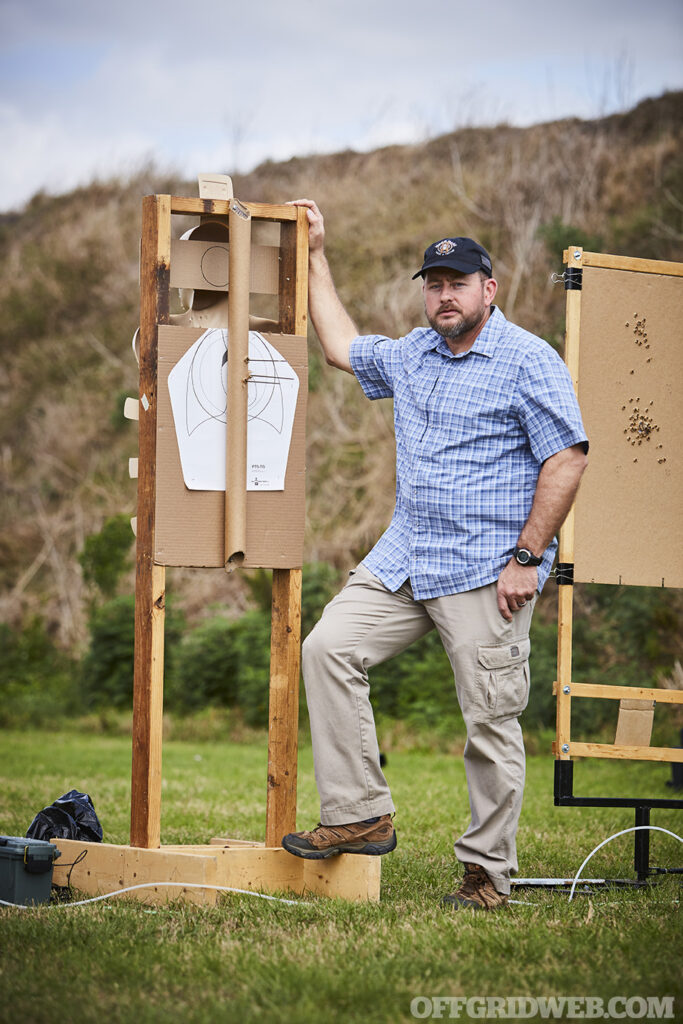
(286, 599)
(565, 595)
(565, 617)
(301, 283)
(609, 262)
(150, 580)
(107, 868)
(609, 692)
(227, 841)
(348, 876)
(667, 754)
(294, 275)
(283, 713)
(221, 207)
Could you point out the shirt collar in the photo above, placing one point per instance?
(485, 342)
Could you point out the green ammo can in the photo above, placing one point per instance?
(26, 869)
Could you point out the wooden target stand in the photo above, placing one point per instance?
(624, 355)
(267, 254)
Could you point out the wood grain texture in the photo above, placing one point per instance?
(283, 715)
(220, 207)
(610, 262)
(107, 868)
(609, 692)
(150, 578)
(668, 754)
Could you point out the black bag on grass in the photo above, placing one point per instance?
(72, 816)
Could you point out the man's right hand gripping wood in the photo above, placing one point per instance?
(334, 327)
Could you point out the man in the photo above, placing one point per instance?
(490, 449)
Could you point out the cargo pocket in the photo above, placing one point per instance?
(502, 679)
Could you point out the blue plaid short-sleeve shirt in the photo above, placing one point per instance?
(472, 431)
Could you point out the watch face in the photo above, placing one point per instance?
(523, 556)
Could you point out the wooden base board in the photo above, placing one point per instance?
(106, 868)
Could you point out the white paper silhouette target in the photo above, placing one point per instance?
(198, 390)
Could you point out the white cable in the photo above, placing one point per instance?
(636, 828)
(148, 885)
(299, 903)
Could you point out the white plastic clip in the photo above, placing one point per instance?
(134, 525)
(131, 409)
(133, 469)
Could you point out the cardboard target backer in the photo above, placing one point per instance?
(630, 504)
(190, 524)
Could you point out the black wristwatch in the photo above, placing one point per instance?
(525, 557)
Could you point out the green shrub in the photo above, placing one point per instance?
(225, 664)
(37, 679)
(558, 236)
(206, 668)
(319, 584)
(106, 555)
(252, 650)
(106, 671)
(117, 420)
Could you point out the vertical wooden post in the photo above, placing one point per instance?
(285, 650)
(565, 601)
(283, 715)
(293, 287)
(565, 611)
(150, 580)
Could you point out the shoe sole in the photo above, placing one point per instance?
(366, 849)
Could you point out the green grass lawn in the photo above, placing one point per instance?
(252, 960)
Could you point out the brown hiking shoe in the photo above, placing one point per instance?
(372, 837)
(477, 891)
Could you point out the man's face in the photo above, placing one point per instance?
(456, 303)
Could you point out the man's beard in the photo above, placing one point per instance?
(457, 328)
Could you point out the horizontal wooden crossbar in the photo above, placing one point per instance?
(609, 692)
(220, 207)
(610, 262)
(668, 754)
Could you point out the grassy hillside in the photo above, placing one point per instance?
(68, 270)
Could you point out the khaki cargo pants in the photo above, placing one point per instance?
(366, 624)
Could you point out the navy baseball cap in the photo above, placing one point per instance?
(463, 254)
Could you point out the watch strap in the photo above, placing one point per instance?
(529, 558)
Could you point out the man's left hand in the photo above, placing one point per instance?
(516, 585)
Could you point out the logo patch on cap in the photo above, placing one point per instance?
(443, 248)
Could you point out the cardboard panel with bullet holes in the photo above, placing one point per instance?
(629, 510)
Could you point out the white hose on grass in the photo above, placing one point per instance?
(624, 831)
(158, 885)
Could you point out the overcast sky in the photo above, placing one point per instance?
(91, 88)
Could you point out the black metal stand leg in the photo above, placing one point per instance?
(641, 859)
